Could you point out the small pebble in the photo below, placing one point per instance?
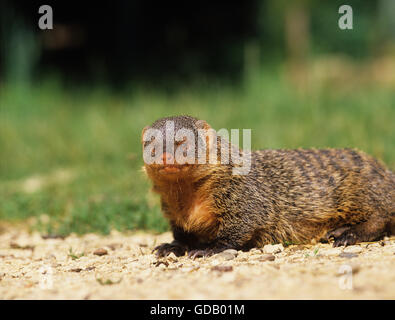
(267, 257)
(100, 252)
(297, 248)
(232, 251)
(348, 255)
(90, 268)
(273, 248)
(52, 236)
(331, 251)
(353, 249)
(222, 268)
(14, 245)
(227, 254)
(114, 246)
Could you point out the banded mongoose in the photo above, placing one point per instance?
(288, 196)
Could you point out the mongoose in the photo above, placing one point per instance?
(288, 196)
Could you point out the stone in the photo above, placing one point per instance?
(100, 252)
(227, 254)
(222, 268)
(267, 257)
(353, 249)
(273, 248)
(348, 255)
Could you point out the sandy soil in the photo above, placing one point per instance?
(121, 266)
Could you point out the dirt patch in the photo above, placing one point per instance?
(121, 266)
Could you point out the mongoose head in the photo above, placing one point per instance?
(172, 145)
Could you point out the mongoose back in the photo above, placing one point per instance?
(294, 196)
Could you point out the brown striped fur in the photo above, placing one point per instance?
(293, 196)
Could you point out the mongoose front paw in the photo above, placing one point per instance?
(343, 236)
(346, 239)
(165, 249)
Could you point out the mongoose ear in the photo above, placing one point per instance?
(201, 124)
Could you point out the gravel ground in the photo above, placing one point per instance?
(121, 266)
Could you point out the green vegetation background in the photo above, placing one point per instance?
(71, 161)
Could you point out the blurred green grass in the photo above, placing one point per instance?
(71, 159)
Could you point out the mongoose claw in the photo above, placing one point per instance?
(200, 253)
(336, 233)
(343, 237)
(165, 249)
(346, 239)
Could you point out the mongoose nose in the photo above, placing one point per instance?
(167, 158)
